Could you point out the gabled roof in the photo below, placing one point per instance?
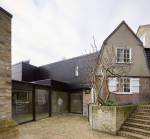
(6, 12)
(142, 26)
(123, 22)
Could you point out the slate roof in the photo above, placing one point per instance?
(147, 51)
(64, 71)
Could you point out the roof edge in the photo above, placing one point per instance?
(123, 22)
(141, 26)
(6, 12)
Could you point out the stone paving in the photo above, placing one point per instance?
(61, 127)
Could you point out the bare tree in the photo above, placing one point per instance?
(104, 70)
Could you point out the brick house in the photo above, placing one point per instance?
(129, 50)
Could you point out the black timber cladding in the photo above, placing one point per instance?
(147, 51)
(21, 85)
(64, 71)
(55, 85)
(60, 72)
(26, 72)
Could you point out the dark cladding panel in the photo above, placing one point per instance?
(64, 71)
(29, 72)
(147, 52)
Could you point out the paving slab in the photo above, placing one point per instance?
(61, 127)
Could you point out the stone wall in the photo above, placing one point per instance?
(5, 65)
(108, 118)
(7, 125)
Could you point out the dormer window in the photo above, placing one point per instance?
(123, 55)
(77, 71)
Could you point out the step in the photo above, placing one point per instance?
(136, 130)
(144, 107)
(132, 135)
(143, 110)
(137, 125)
(138, 120)
(142, 113)
(140, 116)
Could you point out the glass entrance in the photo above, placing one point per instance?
(76, 103)
(41, 103)
(22, 106)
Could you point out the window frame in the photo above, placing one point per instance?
(122, 85)
(124, 59)
(76, 71)
(134, 86)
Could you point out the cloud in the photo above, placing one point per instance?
(44, 31)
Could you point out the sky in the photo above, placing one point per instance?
(46, 31)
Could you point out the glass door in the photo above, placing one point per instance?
(41, 103)
(22, 106)
(76, 103)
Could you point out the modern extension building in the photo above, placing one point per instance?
(61, 87)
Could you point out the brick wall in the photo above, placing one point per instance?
(86, 100)
(136, 98)
(5, 65)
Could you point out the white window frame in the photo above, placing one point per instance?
(130, 55)
(134, 86)
(123, 85)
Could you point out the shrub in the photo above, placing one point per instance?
(110, 103)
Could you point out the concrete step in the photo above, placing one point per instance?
(144, 107)
(136, 115)
(143, 110)
(136, 130)
(140, 116)
(138, 120)
(132, 135)
(137, 125)
(142, 113)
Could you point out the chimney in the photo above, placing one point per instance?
(143, 33)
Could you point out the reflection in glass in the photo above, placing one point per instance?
(22, 106)
(42, 105)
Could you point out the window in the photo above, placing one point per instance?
(21, 96)
(123, 85)
(123, 55)
(77, 71)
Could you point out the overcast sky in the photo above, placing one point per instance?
(45, 31)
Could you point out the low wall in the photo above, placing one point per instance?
(109, 118)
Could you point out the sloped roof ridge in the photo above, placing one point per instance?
(123, 22)
(6, 12)
(77, 57)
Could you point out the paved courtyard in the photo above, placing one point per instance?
(61, 127)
